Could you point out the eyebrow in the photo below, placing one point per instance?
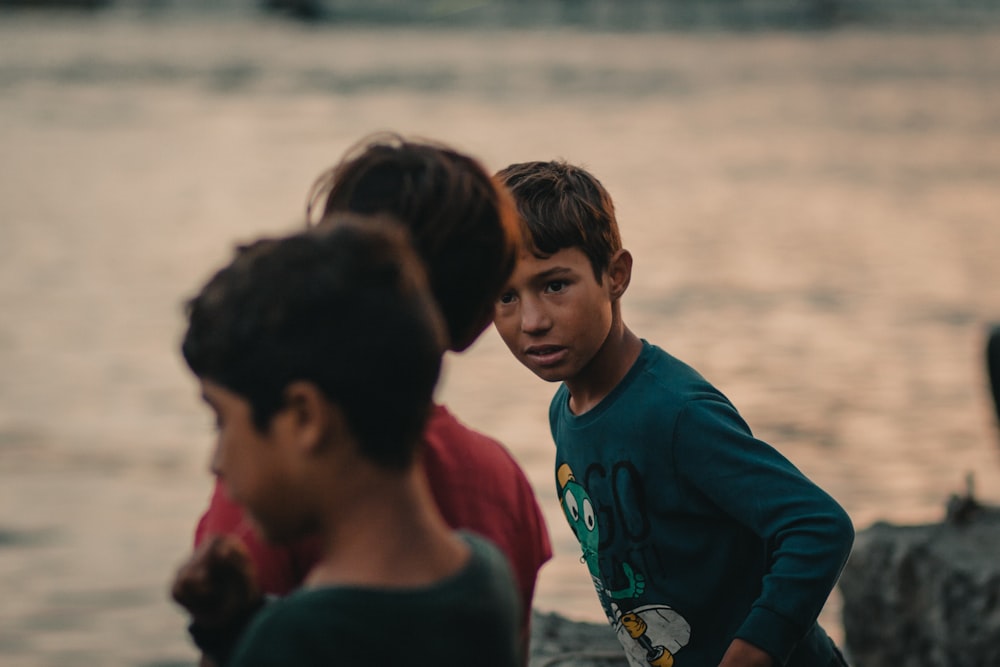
(553, 272)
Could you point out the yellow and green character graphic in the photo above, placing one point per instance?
(651, 634)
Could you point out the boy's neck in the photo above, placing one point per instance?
(608, 367)
(389, 534)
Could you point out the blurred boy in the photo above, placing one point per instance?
(706, 546)
(318, 354)
(465, 230)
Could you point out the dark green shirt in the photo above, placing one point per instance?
(694, 531)
(468, 619)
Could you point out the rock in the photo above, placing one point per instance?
(559, 642)
(926, 595)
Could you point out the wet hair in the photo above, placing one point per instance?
(563, 206)
(345, 307)
(462, 223)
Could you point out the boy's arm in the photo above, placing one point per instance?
(742, 653)
(808, 534)
(217, 587)
(275, 570)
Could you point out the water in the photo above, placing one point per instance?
(812, 217)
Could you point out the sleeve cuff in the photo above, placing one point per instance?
(770, 632)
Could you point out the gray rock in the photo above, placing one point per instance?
(926, 595)
(559, 642)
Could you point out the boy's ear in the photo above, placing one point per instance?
(619, 273)
(309, 414)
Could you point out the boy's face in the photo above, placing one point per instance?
(256, 467)
(553, 314)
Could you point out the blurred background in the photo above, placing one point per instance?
(810, 190)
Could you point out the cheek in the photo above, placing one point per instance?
(504, 325)
(229, 465)
(596, 321)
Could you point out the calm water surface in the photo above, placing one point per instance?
(813, 219)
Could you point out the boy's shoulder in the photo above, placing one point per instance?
(274, 634)
(282, 614)
(657, 383)
(663, 373)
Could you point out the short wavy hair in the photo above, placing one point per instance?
(346, 307)
(463, 224)
(563, 206)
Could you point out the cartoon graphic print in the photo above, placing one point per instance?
(657, 633)
(650, 634)
(580, 514)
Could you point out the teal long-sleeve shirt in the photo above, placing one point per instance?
(694, 531)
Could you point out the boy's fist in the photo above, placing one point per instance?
(216, 584)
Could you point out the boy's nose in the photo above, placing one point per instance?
(215, 461)
(534, 318)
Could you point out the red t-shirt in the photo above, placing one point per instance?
(477, 486)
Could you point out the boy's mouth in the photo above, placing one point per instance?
(545, 355)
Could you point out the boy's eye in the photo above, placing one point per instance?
(555, 286)
(506, 298)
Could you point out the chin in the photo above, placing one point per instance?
(549, 375)
(284, 531)
(271, 531)
(278, 535)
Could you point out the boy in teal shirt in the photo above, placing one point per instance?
(707, 547)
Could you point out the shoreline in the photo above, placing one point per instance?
(593, 15)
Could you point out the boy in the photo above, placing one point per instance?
(465, 230)
(318, 354)
(706, 546)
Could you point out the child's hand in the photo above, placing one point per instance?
(744, 654)
(216, 584)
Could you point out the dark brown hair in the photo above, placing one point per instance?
(346, 307)
(563, 206)
(463, 225)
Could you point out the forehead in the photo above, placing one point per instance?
(565, 261)
(221, 398)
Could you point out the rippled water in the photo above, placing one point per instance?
(813, 218)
